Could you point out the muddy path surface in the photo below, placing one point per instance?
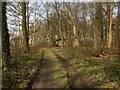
(51, 73)
(44, 80)
(54, 73)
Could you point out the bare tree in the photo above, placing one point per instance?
(110, 8)
(5, 37)
(96, 29)
(24, 28)
(73, 22)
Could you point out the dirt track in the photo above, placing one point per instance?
(44, 78)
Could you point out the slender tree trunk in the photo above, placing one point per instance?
(5, 37)
(118, 27)
(20, 40)
(110, 26)
(100, 26)
(96, 41)
(60, 24)
(34, 26)
(75, 42)
(73, 22)
(96, 29)
(48, 30)
(60, 31)
(24, 28)
(28, 25)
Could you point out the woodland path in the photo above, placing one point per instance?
(54, 73)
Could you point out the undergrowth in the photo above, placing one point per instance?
(22, 69)
(103, 72)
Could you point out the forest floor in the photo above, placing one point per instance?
(63, 68)
(70, 68)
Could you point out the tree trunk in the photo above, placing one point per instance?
(47, 28)
(73, 22)
(118, 27)
(110, 26)
(5, 37)
(34, 26)
(20, 40)
(27, 24)
(96, 29)
(75, 42)
(60, 24)
(96, 40)
(24, 28)
(60, 31)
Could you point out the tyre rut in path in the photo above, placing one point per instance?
(43, 79)
(35, 78)
(47, 75)
(81, 76)
(65, 65)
